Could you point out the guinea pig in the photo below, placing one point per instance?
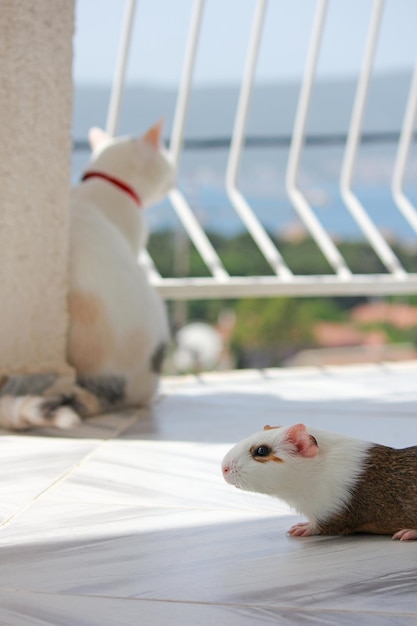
(342, 485)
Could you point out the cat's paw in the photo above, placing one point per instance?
(64, 418)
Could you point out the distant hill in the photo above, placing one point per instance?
(273, 106)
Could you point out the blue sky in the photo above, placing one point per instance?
(161, 26)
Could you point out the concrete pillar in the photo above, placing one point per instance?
(35, 161)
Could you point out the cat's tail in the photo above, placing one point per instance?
(23, 412)
(33, 402)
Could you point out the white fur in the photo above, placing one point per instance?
(315, 487)
(108, 232)
(19, 413)
(117, 320)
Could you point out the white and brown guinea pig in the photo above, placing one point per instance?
(341, 485)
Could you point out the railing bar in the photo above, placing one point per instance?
(369, 229)
(246, 89)
(406, 137)
(179, 203)
(146, 260)
(241, 206)
(197, 235)
(270, 286)
(177, 133)
(297, 198)
(113, 112)
(258, 234)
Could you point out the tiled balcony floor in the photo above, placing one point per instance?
(127, 520)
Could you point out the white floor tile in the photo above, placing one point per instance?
(26, 609)
(127, 520)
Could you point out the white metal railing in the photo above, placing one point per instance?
(379, 244)
(406, 137)
(342, 282)
(240, 204)
(299, 201)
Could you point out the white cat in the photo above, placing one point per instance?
(118, 328)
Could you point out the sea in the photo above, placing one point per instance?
(211, 114)
(261, 180)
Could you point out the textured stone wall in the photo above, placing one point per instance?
(35, 158)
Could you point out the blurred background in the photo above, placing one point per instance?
(216, 334)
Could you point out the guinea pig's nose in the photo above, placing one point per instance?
(228, 470)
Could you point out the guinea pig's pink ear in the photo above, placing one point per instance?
(304, 443)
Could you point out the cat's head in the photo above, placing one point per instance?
(142, 163)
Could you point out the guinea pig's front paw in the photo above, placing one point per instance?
(406, 534)
(303, 529)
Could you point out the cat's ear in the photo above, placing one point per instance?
(97, 137)
(154, 135)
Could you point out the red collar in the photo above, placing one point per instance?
(114, 181)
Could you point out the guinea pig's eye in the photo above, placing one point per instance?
(262, 451)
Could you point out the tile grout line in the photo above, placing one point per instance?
(270, 607)
(69, 471)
